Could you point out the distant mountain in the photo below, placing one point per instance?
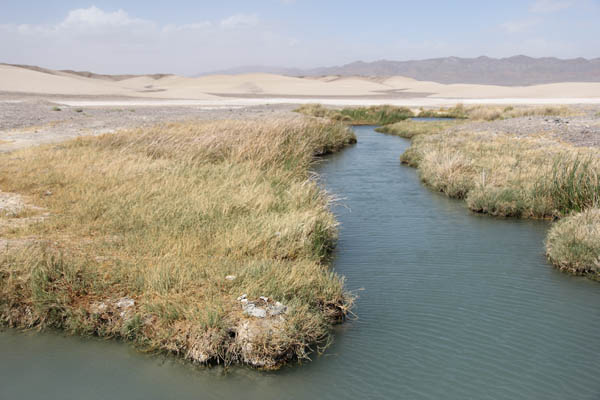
(511, 71)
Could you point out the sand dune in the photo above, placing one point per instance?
(284, 88)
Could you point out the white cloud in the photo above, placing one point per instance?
(239, 21)
(550, 6)
(521, 25)
(95, 17)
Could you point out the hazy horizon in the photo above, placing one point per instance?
(187, 38)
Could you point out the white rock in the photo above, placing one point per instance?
(254, 311)
(125, 302)
(230, 277)
(242, 297)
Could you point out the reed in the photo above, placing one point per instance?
(409, 129)
(508, 176)
(375, 115)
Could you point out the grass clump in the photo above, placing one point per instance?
(144, 226)
(375, 115)
(504, 175)
(573, 244)
(56, 108)
(507, 176)
(409, 129)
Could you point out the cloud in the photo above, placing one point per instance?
(94, 17)
(521, 25)
(239, 21)
(550, 6)
(116, 42)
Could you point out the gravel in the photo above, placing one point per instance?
(27, 120)
(580, 130)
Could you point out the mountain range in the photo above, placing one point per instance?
(512, 71)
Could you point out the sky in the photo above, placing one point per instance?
(191, 37)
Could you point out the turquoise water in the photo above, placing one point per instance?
(452, 305)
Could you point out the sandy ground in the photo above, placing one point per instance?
(255, 89)
(30, 101)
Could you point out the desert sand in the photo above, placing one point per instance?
(254, 89)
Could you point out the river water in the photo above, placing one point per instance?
(452, 305)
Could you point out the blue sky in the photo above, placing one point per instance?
(188, 37)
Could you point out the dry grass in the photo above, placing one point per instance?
(409, 129)
(145, 226)
(533, 177)
(491, 113)
(374, 115)
(505, 175)
(573, 244)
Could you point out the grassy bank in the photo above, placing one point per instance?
(492, 113)
(375, 115)
(409, 129)
(573, 244)
(153, 235)
(504, 175)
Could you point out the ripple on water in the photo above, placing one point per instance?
(454, 306)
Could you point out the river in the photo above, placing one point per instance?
(452, 305)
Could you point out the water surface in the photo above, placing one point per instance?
(452, 306)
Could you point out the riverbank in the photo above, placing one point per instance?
(208, 240)
(527, 170)
(512, 161)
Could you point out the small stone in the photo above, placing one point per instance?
(48, 193)
(277, 309)
(265, 299)
(242, 297)
(230, 277)
(125, 302)
(254, 311)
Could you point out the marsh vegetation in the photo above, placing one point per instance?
(530, 177)
(151, 235)
(375, 115)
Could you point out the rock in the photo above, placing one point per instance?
(277, 309)
(242, 297)
(125, 303)
(230, 277)
(254, 311)
(265, 299)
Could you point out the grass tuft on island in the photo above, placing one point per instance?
(151, 235)
(375, 115)
(409, 128)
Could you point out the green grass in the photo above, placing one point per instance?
(573, 244)
(162, 216)
(507, 176)
(375, 115)
(409, 129)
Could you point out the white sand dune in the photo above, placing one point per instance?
(261, 88)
